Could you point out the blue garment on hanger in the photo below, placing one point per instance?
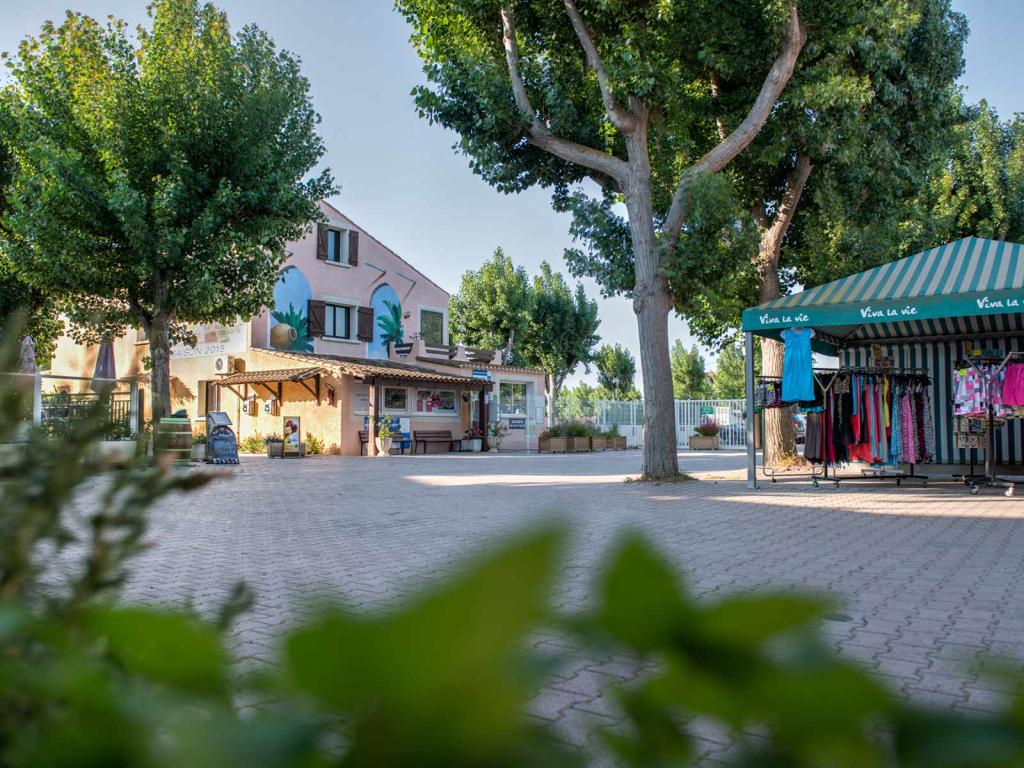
(797, 373)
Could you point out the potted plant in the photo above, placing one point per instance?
(384, 437)
(118, 444)
(616, 442)
(473, 440)
(552, 440)
(497, 432)
(706, 437)
(198, 445)
(275, 447)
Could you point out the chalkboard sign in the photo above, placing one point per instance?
(517, 423)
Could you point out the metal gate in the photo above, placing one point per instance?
(728, 414)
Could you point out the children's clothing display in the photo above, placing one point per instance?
(797, 364)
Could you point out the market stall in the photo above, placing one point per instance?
(933, 336)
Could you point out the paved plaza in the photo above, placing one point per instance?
(930, 576)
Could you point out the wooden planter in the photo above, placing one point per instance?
(579, 444)
(599, 443)
(617, 443)
(553, 444)
(702, 443)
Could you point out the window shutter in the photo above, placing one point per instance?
(316, 318)
(365, 324)
(321, 241)
(353, 247)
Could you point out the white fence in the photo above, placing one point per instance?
(628, 416)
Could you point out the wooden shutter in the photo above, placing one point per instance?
(353, 247)
(322, 234)
(365, 324)
(317, 318)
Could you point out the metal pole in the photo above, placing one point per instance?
(37, 399)
(748, 364)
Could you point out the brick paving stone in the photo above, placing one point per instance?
(928, 576)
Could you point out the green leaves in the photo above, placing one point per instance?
(440, 681)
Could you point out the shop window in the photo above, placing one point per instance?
(432, 327)
(512, 398)
(361, 401)
(396, 399)
(337, 321)
(435, 401)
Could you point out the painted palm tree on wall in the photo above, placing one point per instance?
(390, 325)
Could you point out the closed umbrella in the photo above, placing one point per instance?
(27, 361)
(105, 373)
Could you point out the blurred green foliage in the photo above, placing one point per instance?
(443, 680)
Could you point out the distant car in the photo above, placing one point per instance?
(733, 434)
(800, 427)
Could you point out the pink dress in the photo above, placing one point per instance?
(1013, 386)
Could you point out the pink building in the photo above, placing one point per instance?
(354, 331)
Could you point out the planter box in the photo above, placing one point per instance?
(198, 451)
(579, 444)
(119, 452)
(275, 450)
(471, 445)
(553, 444)
(599, 443)
(617, 443)
(702, 443)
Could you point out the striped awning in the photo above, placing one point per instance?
(967, 286)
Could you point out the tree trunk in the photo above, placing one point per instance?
(652, 303)
(553, 388)
(779, 436)
(160, 366)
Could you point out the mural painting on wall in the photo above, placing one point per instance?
(387, 315)
(289, 320)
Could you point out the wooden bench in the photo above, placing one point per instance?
(364, 442)
(426, 436)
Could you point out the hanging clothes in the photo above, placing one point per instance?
(1013, 385)
(797, 364)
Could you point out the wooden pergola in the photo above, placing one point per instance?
(273, 381)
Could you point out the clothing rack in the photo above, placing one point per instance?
(817, 473)
(973, 481)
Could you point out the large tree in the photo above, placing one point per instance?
(730, 372)
(493, 306)
(825, 184)
(616, 373)
(562, 332)
(159, 176)
(552, 94)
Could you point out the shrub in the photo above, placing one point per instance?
(474, 433)
(118, 430)
(497, 431)
(314, 444)
(707, 428)
(199, 436)
(612, 431)
(254, 443)
(572, 429)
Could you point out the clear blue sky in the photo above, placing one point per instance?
(400, 179)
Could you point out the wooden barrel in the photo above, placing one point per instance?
(174, 439)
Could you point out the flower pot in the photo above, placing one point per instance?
(117, 452)
(384, 446)
(404, 349)
(472, 445)
(704, 442)
(198, 451)
(275, 450)
(553, 444)
(599, 443)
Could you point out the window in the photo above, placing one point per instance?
(209, 397)
(361, 401)
(512, 398)
(432, 327)
(337, 321)
(435, 401)
(396, 399)
(336, 246)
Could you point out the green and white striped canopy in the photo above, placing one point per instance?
(965, 287)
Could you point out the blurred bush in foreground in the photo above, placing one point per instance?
(442, 681)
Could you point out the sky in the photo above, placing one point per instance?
(399, 177)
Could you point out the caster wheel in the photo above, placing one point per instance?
(924, 483)
(898, 483)
(974, 490)
(836, 484)
(814, 483)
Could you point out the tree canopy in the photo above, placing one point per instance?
(616, 373)
(158, 176)
(493, 307)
